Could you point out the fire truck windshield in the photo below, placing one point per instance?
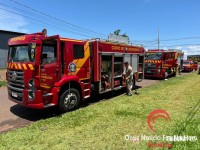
(154, 56)
(186, 62)
(19, 54)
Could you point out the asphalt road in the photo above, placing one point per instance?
(14, 116)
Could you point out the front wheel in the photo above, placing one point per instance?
(69, 100)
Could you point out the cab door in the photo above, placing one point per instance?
(50, 68)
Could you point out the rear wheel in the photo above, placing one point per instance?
(69, 100)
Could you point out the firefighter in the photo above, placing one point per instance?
(128, 74)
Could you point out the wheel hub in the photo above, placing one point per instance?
(70, 100)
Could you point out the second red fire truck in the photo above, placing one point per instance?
(163, 63)
(46, 71)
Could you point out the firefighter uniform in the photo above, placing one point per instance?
(128, 72)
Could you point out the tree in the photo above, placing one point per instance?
(124, 35)
(116, 32)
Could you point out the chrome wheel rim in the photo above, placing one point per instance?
(70, 100)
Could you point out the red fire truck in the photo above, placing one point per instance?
(46, 71)
(189, 65)
(163, 63)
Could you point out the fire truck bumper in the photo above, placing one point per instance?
(36, 102)
(186, 69)
(153, 76)
(39, 101)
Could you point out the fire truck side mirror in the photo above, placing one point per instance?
(31, 51)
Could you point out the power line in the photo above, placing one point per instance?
(78, 28)
(169, 42)
(41, 22)
(191, 44)
(69, 29)
(31, 15)
(57, 19)
(153, 42)
(184, 38)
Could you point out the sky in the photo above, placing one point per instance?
(177, 20)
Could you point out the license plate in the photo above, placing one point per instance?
(14, 94)
(148, 71)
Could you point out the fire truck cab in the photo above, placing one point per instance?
(44, 71)
(162, 63)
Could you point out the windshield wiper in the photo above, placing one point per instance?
(26, 59)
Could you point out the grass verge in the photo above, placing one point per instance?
(3, 83)
(105, 124)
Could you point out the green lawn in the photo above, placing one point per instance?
(3, 83)
(104, 125)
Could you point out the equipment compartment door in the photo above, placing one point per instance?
(141, 67)
(118, 71)
(79, 60)
(106, 73)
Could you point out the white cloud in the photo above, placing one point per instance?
(185, 52)
(178, 47)
(165, 48)
(190, 50)
(12, 22)
(194, 49)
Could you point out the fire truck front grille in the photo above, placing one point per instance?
(16, 84)
(149, 68)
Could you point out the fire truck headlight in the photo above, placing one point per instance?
(158, 71)
(32, 89)
(31, 83)
(31, 94)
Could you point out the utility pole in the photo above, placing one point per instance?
(158, 38)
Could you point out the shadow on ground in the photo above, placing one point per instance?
(35, 114)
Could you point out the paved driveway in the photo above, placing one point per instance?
(14, 116)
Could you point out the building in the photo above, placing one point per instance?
(4, 37)
(193, 57)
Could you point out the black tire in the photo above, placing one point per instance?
(69, 100)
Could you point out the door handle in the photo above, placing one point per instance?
(85, 67)
(57, 73)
